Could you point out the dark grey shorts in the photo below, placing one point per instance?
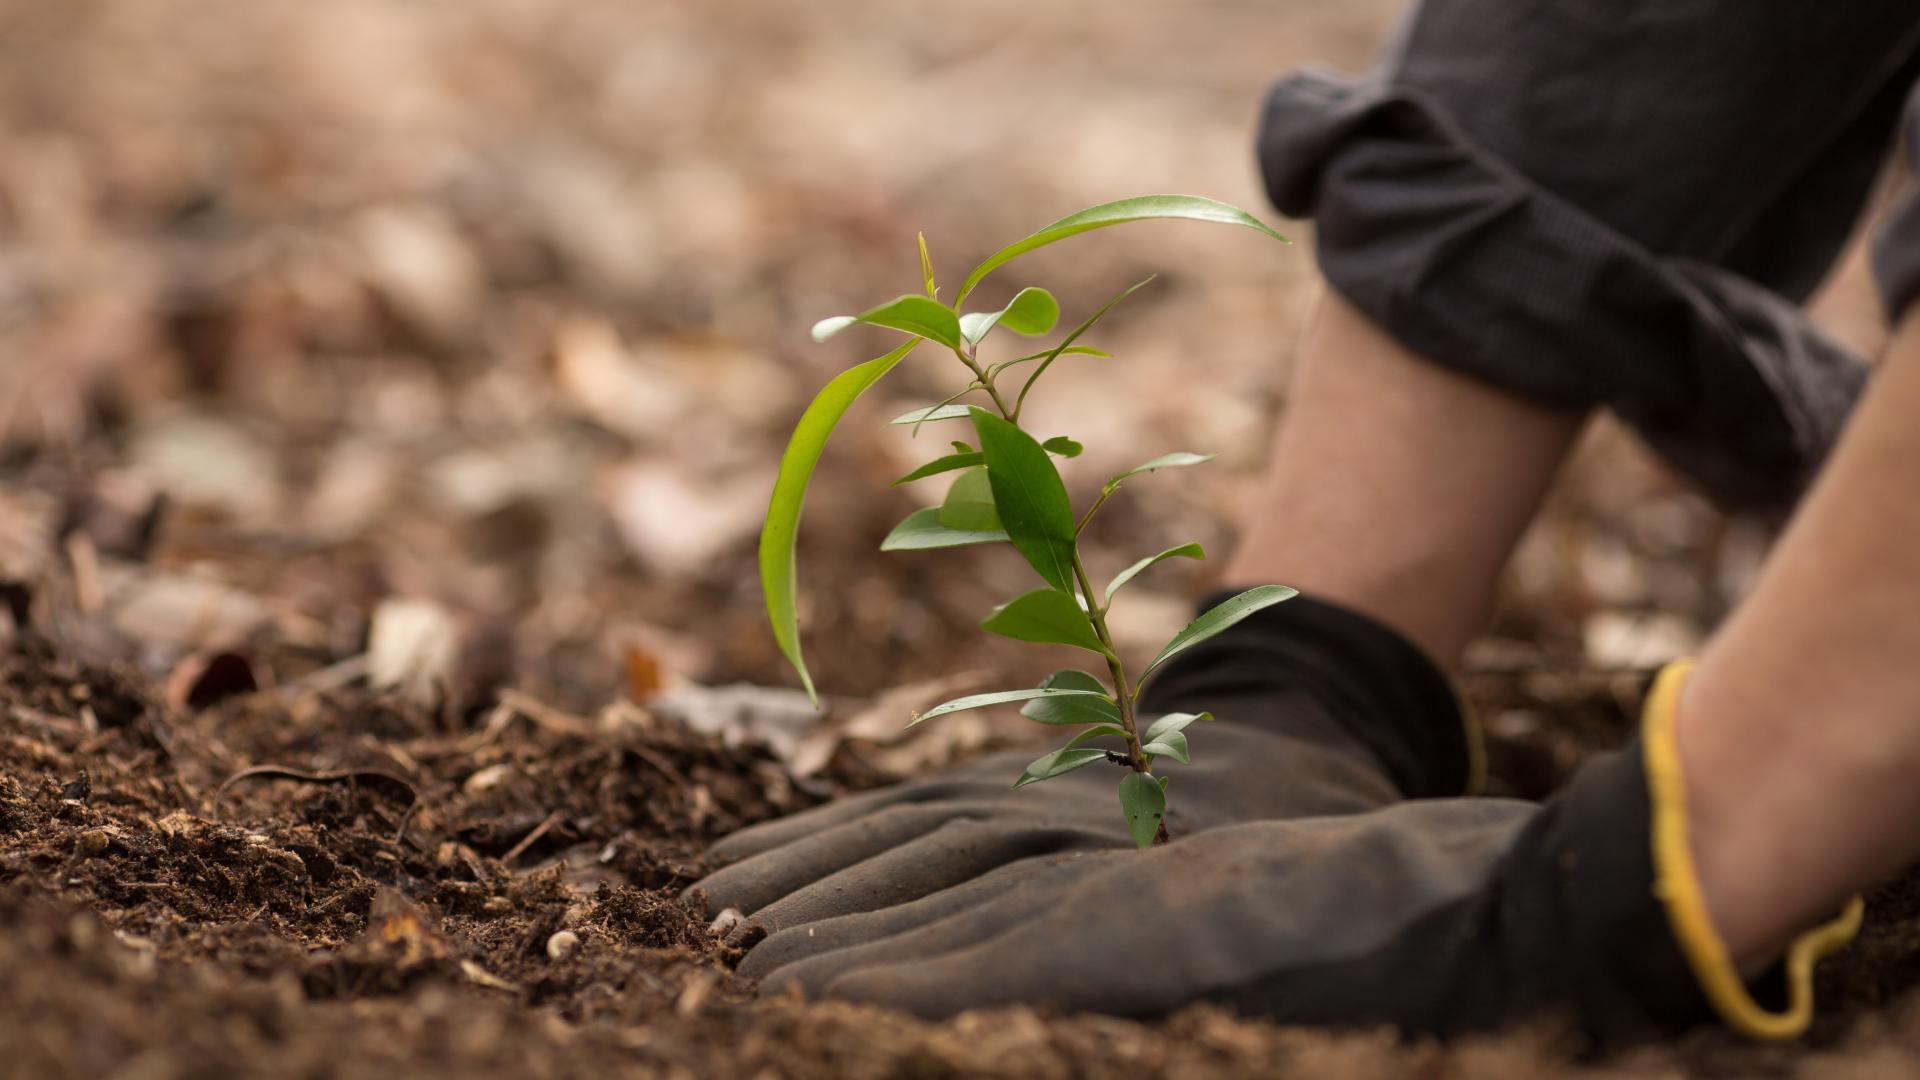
(1618, 203)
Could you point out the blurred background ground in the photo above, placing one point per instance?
(454, 343)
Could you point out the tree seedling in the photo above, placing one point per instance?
(1007, 490)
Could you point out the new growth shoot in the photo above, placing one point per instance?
(1007, 490)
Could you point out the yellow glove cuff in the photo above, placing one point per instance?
(1676, 882)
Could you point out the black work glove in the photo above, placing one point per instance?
(1435, 915)
(1321, 712)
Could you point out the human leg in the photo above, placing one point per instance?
(1398, 488)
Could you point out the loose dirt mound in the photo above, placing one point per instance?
(500, 901)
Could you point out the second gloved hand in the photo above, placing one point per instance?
(1320, 712)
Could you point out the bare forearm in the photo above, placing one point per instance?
(1799, 732)
(1398, 488)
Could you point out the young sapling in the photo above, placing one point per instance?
(1008, 490)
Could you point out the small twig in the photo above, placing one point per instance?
(84, 560)
(531, 838)
(333, 676)
(546, 716)
(660, 765)
(27, 714)
(341, 776)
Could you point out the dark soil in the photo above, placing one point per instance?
(521, 920)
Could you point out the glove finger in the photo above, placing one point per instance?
(1142, 933)
(803, 941)
(953, 854)
(986, 778)
(759, 880)
(917, 933)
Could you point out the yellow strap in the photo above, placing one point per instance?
(1676, 882)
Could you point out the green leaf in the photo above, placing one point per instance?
(1030, 496)
(1074, 679)
(1171, 744)
(1031, 312)
(960, 447)
(998, 697)
(931, 412)
(966, 459)
(922, 531)
(1058, 763)
(918, 315)
(1220, 617)
(1138, 208)
(1045, 615)
(1046, 361)
(1074, 710)
(1184, 551)
(779, 536)
(1170, 724)
(1098, 731)
(1063, 446)
(969, 505)
(926, 269)
(1071, 350)
(1145, 803)
(1177, 459)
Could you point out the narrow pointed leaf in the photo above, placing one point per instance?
(1184, 551)
(1097, 731)
(926, 268)
(998, 697)
(960, 447)
(1045, 615)
(1074, 679)
(1144, 801)
(917, 315)
(1073, 710)
(969, 504)
(1062, 446)
(1139, 208)
(1071, 350)
(931, 412)
(1058, 763)
(966, 459)
(1177, 459)
(1171, 744)
(922, 531)
(1066, 343)
(1220, 617)
(1171, 723)
(780, 534)
(1031, 498)
(1032, 312)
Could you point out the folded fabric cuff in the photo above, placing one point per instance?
(1677, 885)
(1372, 686)
(1470, 264)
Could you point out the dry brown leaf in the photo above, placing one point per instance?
(414, 645)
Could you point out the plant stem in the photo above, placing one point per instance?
(1105, 493)
(1123, 695)
(986, 383)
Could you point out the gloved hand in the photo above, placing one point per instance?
(1321, 712)
(1433, 915)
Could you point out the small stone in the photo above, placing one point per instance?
(486, 779)
(561, 945)
(95, 841)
